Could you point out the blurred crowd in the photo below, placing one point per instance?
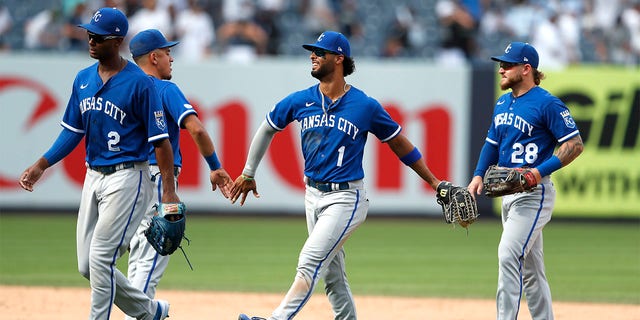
(564, 32)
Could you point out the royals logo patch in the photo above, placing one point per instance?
(568, 120)
(160, 123)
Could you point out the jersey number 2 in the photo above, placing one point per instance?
(114, 139)
(522, 153)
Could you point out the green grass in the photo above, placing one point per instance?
(586, 261)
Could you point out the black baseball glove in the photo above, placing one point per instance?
(167, 226)
(500, 181)
(458, 206)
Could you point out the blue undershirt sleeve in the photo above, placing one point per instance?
(549, 166)
(66, 142)
(488, 156)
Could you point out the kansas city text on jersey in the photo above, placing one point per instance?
(518, 122)
(325, 120)
(98, 104)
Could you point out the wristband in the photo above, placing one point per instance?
(549, 166)
(411, 157)
(213, 162)
(246, 178)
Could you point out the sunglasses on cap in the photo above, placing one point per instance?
(100, 39)
(508, 65)
(320, 53)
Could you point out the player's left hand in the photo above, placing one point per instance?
(221, 179)
(499, 181)
(242, 186)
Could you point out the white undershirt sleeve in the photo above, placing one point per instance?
(259, 145)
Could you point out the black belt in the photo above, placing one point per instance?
(327, 186)
(107, 170)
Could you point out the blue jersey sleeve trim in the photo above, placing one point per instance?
(569, 136)
(71, 128)
(393, 135)
(184, 115)
(158, 137)
(273, 125)
(495, 143)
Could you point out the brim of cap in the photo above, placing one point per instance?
(504, 59)
(310, 47)
(94, 29)
(168, 44)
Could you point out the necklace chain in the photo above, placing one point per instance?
(344, 88)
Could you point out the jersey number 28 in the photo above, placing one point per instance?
(522, 153)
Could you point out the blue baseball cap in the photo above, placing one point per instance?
(332, 41)
(519, 52)
(147, 41)
(107, 22)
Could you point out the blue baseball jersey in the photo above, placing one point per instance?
(333, 138)
(119, 118)
(527, 129)
(176, 108)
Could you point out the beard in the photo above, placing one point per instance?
(321, 72)
(509, 83)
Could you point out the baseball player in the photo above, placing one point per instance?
(152, 52)
(116, 108)
(335, 119)
(528, 124)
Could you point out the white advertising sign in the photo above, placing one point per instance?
(430, 102)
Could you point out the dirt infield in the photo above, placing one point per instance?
(46, 303)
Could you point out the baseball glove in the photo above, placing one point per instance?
(500, 181)
(166, 229)
(458, 206)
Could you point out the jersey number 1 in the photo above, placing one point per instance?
(340, 156)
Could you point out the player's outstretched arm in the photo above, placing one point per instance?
(218, 176)
(164, 154)
(65, 143)
(411, 156)
(259, 145)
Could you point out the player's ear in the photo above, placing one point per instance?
(119, 41)
(153, 57)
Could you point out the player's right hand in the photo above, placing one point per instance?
(32, 174)
(242, 186)
(221, 179)
(475, 186)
